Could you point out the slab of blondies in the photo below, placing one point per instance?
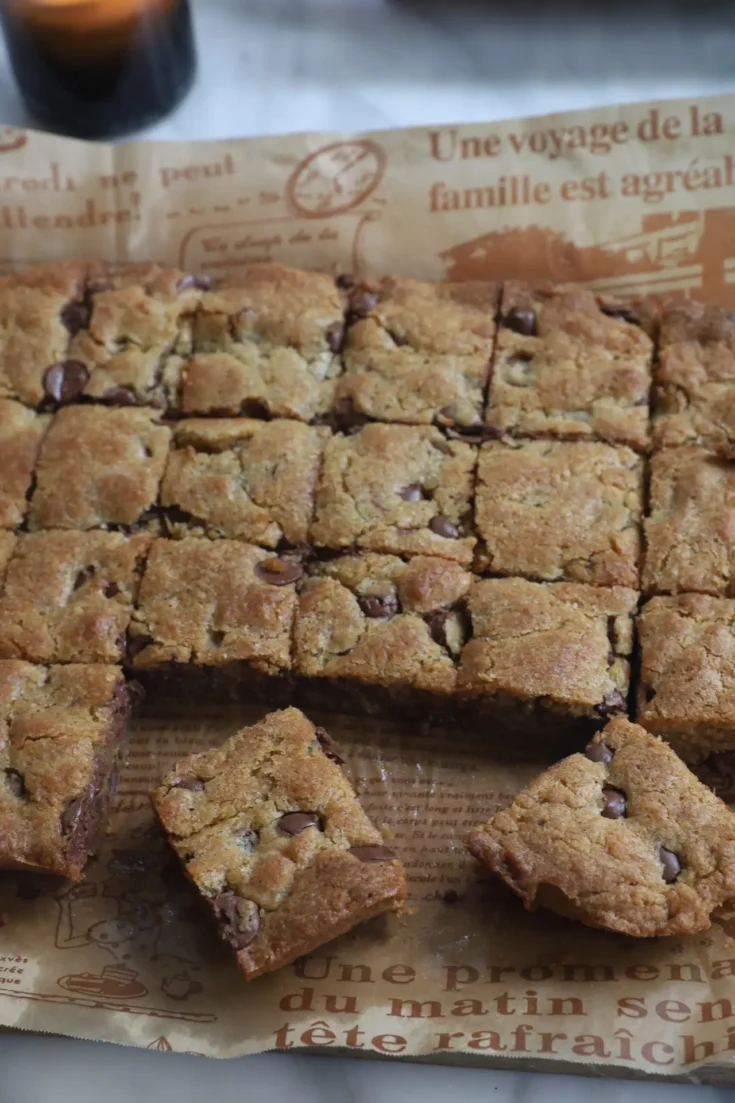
(271, 833)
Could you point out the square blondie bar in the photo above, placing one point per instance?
(21, 432)
(271, 833)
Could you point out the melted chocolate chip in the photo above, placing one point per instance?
(442, 526)
(293, 823)
(345, 282)
(599, 752)
(279, 572)
(329, 747)
(335, 335)
(192, 784)
(84, 575)
(120, 396)
(671, 865)
(347, 418)
(239, 919)
(76, 316)
(373, 853)
(65, 381)
(615, 804)
(620, 312)
(521, 319)
(437, 623)
(411, 493)
(612, 704)
(199, 283)
(378, 607)
(15, 783)
(361, 303)
(111, 589)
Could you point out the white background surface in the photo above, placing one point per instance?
(278, 65)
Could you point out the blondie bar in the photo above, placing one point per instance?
(396, 489)
(686, 691)
(622, 837)
(570, 365)
(553, 510)
(271, 833)
(266, 342)
(61, 730)
(243, 479)
(546, 660)
(417, 353)
(21, 433)
(99, 467)
(68, 596)
(690, 530)
(694, 394)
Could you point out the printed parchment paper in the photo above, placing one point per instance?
(638, 198)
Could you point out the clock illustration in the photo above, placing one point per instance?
(336, 178)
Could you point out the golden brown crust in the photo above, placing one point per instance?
(99, 466)
(690, 530)
(21, 433)
(563, 643)
(694, 397)
(570, 365)
(553, 510)
(396, 489)
(69, 596)
(243, 479)
(289, 885)
(383, 620)
(687, 679)
(266, 337)
(59, 729)
(553, 846)
(205, 602)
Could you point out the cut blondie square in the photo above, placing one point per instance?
(622, 837)
(686, 691)
(546, 661)
(61, 731)
(243, 479)
(554, 511)
(694, 394)
(396, 489)
(271, 833)
(382, 632)
(570, 365)
(417, 353)
(21, 432)
(267, 343)
(68, 596)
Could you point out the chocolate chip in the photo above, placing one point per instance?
(411, 493)
(65, 381)
(15, 783)
(521, 319)
(84, 575)
(120, 396)
(437, 623)
(111, 589)
(620, 312)
(347, 418)
(293, 823)
(598, 752)
(378, 607)
(361, 303)
(279, 572)
(443, 527)
(373, 853)
(200, 283)
(615, 804)
(192, 784)
(335, 335)
(247, 840)
(612, 704)
(71, 817)
(240, 919)
(328, 745)
(671, 864)
(345, 282)
(76, 316)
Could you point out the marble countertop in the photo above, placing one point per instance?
(269, 66)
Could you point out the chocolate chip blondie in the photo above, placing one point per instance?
(546, 660)
(61, 731)
(266, 342)
(417, 353)
(622, 837)
(68, 596)
(21, 432)
(272, 834)
(243, 479)
(553, 510)
(694, 394)
(686, 691)
(397, 489)
(570, 365)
